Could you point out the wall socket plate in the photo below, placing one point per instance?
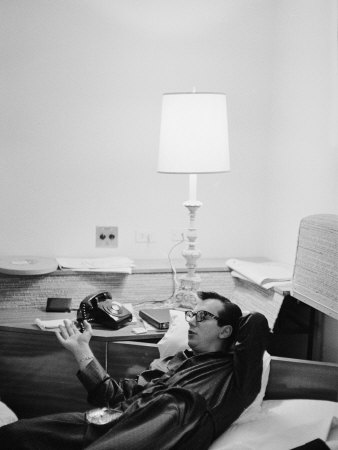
(106, 236)
(145, 237)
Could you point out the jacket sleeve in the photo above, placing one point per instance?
(103, 389)
(251, 343)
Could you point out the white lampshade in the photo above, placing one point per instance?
(194, 133)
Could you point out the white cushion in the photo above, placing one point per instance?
(333, 433)
(6, 415)
(281, 425)
(176, 337)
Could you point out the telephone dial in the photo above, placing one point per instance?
(100, 308)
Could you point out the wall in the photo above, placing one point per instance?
(302, 155)
(81, 93)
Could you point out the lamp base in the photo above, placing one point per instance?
(186, 295)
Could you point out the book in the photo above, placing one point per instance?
(157, 317)
(262, 273)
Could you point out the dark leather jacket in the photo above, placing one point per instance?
(188, 404)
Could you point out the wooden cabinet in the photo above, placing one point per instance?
(38, 376)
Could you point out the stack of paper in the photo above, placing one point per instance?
(114, 264)
(266, 274)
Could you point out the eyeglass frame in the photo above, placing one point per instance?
(190, 315)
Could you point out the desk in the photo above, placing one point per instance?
(22, 321)
(33, 364)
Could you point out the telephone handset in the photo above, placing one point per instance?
(100, 308)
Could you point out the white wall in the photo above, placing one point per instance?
(302, 155)
(81, 87)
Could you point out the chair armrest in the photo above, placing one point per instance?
(288, 378)
(297, 378)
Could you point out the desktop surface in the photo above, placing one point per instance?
(22, 321)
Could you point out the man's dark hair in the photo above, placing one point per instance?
(229, 315)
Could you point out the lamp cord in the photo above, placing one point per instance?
(173, 270)
(173, 273)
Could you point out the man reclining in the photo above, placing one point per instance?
(188, 400)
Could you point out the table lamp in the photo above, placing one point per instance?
(193, 140)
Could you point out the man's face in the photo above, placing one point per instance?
(206, 336)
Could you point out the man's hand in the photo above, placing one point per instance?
(77, 343)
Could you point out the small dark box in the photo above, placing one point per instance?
(58, 304)
(158, 317)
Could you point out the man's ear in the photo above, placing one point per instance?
(225, 332)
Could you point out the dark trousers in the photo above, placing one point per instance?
(53, 432)
(160, 424)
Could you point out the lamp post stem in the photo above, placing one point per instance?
(192, 186)
(189, 283)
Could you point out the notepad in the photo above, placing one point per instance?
(49, 324)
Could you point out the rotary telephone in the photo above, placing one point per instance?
(100, 308)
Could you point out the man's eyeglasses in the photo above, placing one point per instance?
(200, 316)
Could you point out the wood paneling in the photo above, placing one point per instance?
(38, 376)
(128, 359)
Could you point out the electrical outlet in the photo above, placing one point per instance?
(144, 237)
(141, 237)
(106, 236)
